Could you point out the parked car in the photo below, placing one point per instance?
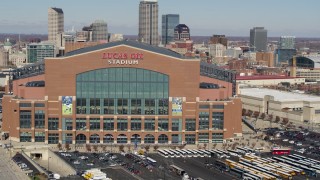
(76, 162)
(285, 140)
(291, 142)
(299, 144)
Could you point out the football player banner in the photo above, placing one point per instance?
(66, 105)
(177, 106)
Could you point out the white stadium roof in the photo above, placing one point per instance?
(281, 96)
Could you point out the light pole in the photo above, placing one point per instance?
(10, 140)
(48, 163)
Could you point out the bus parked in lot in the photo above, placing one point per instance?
(163, 153)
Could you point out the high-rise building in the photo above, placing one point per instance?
(148, 22)
(287, 42)
(219, 39)
(258, 39)
(55, 23)
(4, 57)
(169, 22)
(38, 51)
(181, 32)
(99, 31)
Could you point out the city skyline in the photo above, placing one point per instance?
(228, 17)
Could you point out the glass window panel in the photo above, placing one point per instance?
(153, 76)
(104, 74)
(112, 74)
(112, 90)
(139, 75)
(126, 74)
(133, 74)
(146, 90)
(126, 90)
(146, 76)
(119, 74)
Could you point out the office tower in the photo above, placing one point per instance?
(287, 42)
(169, 22)
(99, 31)
(258, 39)
(181, 32)
(148, 22)
(38, 51)
(55, 23)
(217, 50)
(4, 57)
(219, 39)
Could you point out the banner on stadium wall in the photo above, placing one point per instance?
(177, 106)
(66, 105)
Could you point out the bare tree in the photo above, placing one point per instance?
(121, 148)
(129, 147)
(147, 147)
(155, 147)
(67, 146)
(59, 146)
(95, 148)
(104, 147)
(205, 145)
(88, 147)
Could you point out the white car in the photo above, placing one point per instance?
(291, 142)
(90, 164)
(299, 144)
(285, 140)
(76, 162)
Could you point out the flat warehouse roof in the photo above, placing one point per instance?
(278, 95)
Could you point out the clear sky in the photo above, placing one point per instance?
(300, 18)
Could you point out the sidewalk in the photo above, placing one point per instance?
(8, 169)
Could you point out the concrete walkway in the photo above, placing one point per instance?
(8, 169)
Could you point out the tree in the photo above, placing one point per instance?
(205, 145)
(147, 147)
(67, 146)
(95, 148)
(263, 115)
(59, 146)
(155, 147)
(129, 147)
(214, 145)
(104, 147)
(262, 144)
(277, 119)
(88, 147)
(121, 148)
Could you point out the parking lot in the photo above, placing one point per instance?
(300, 141)
(25, 165)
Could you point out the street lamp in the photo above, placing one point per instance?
(48, 163)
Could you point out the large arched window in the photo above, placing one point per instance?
(80, 139)
(122, 91)
(163, 139)
(149, 139)
(95, 139)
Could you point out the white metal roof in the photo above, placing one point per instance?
(281, 96)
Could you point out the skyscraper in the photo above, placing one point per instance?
(258, 39)
(99, 31)
(181, 32)
(219, 39)
(148, 22)
(55, 23)
(169, 22)
(287, 42)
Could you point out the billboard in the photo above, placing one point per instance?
(66, 105)
(177, 106)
